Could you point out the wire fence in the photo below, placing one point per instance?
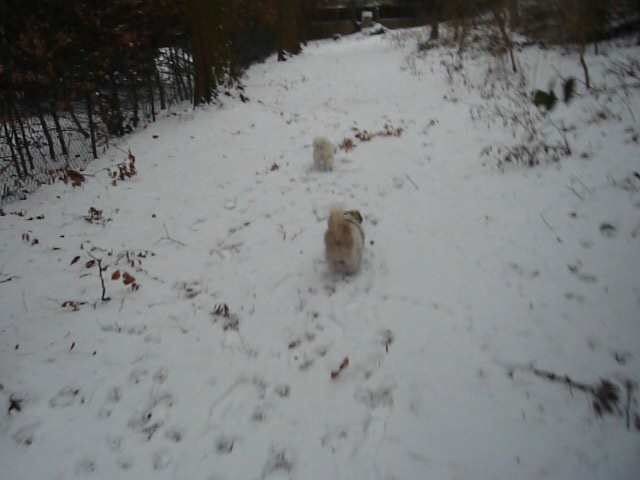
(41, 143)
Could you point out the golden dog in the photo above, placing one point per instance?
(344, 240)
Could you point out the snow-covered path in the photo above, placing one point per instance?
(219, 365)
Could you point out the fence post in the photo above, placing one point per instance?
(92, 127)
(45, 130)
(14, 156)
(56, 121)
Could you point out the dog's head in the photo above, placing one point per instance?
(353, 215)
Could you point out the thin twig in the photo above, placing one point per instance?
(573, 177)
(234, 246)
(104, 289)
(630, 386)
(547, 223)
(293, 237)
(8, 277)
(103, 297)
(168, 237)
(562, 130)
(554, 377)
(550, 228)
(576, 193)
(604, 395)
(411, 181)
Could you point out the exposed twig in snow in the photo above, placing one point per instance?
(8, 277)
(587, 189)
(630, 387)
(239, 381)
(562, 130)
(576, 193)
(103, 297)
(282, 232)
(233, 246)
(341, 367)
(411, 182)
(92, 393)
(295, 235)
(605, 395)
(550, 228)
(301, 304)
(168, 237)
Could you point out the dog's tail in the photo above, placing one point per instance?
(338, 227)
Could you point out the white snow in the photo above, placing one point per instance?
(471, 275)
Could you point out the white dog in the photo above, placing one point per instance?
(344, 240)
(323, 151)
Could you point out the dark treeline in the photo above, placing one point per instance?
(95, 56)
(76, 73)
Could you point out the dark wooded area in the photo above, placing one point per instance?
(75, 74)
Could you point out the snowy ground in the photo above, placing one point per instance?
(216, 362)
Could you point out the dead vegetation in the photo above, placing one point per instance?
(229, 320)
(342, 367)
(74, 177)
(124, 170)
(608, 397)
(104, 260)
(388, 130)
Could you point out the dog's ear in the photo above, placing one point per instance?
(355, 214)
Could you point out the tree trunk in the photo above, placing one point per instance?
(436, 14)
(302, 26)
(638, 13)
(16, 137)
(76, 121)
(56, 122)
(156, 75)
(135, 100)
(92, 126)
(587, 81)
(25, 141)
(45, 130)
(289, 38)
(205, 83)
(152, 101)
(354, 15)
(14, 156)
(187, 68)
(514, 14)
(114, 118)
(210, 48)
(179, 89)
